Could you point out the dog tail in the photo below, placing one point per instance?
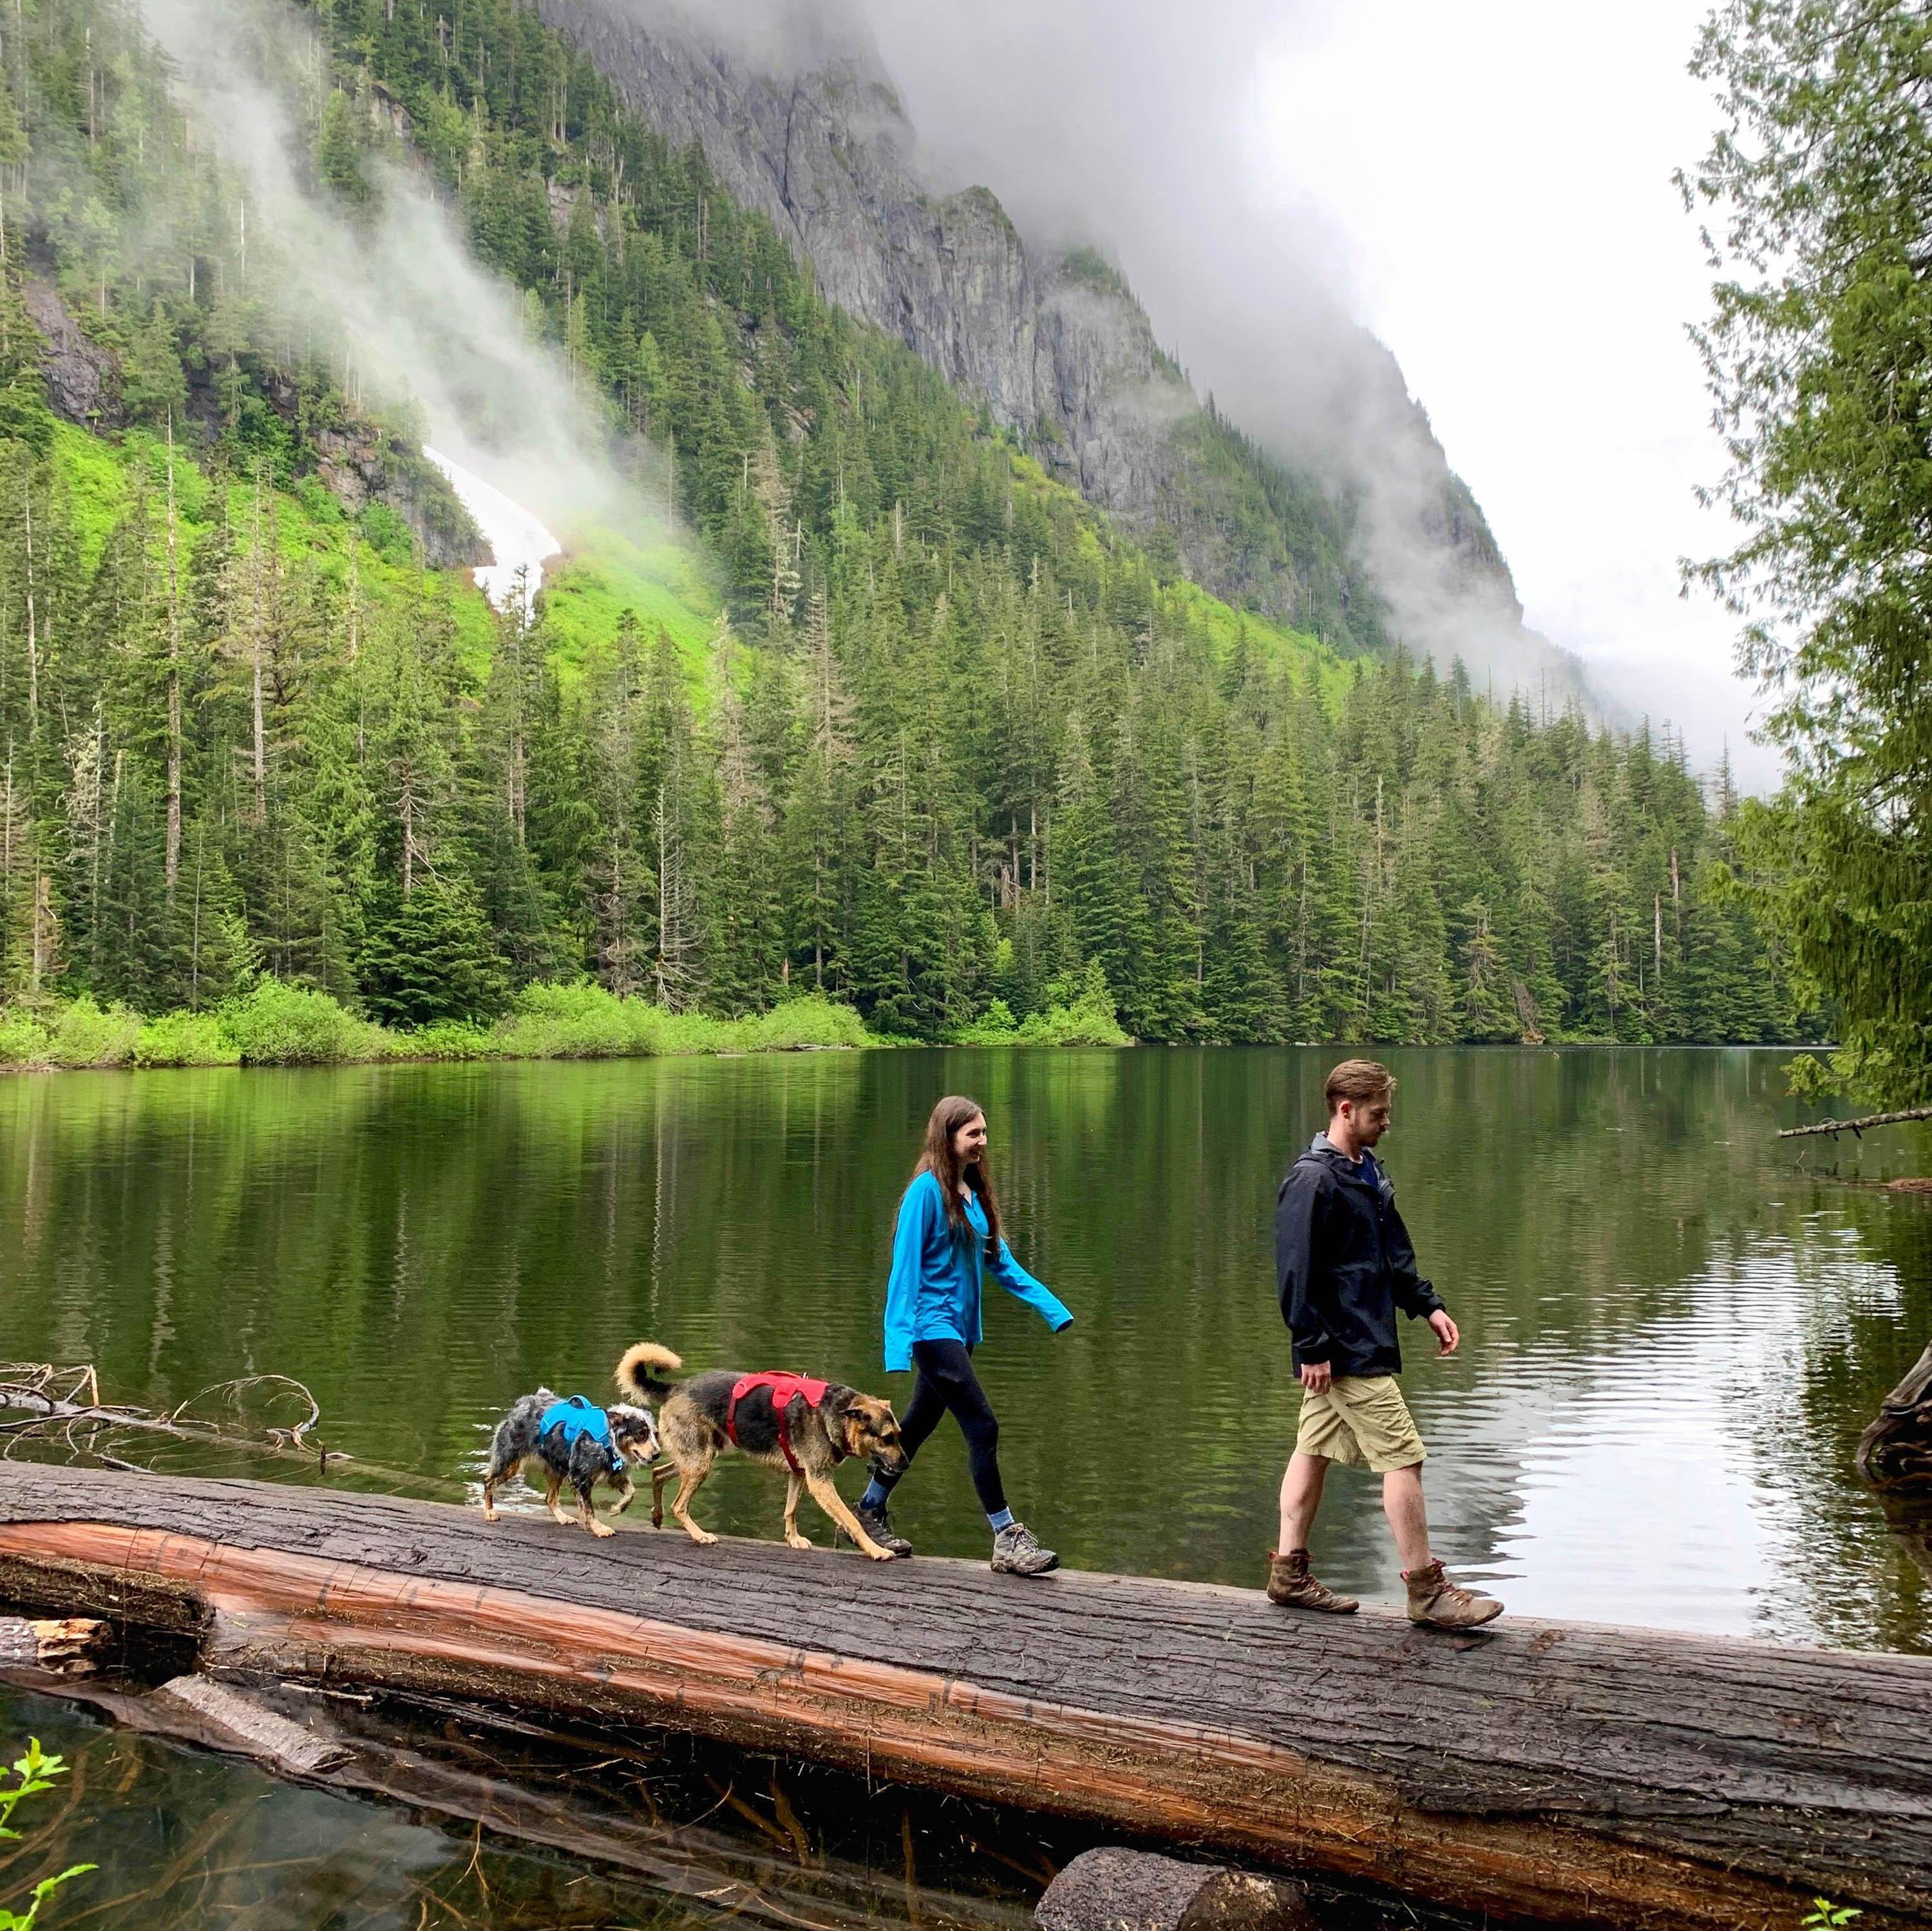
(634, 1377)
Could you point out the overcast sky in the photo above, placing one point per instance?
(1486, 187)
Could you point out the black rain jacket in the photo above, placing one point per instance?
(1344, 1263)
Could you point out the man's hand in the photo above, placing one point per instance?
(1447, 1333)
(1315, 1376)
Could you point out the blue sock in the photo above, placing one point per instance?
(1003, 1520)
(875, 1495)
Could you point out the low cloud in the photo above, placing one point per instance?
(424, 323)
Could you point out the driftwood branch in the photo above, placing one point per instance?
(41, 1398)
(1902, 1118)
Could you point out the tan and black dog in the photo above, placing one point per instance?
(804, 1426)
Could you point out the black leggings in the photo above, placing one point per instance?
(946, 1381)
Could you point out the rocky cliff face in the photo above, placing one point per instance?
(359, 463)
(812, 133)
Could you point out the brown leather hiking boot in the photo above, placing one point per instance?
(1291, 1583)
(1434, 1600)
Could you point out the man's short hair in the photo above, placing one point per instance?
(1357, 1080)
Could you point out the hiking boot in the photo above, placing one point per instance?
(1015, 1552)
(1292, 1584)
(1434, 1600)
(878, 1524)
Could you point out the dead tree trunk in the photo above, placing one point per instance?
(1895, 1452)
(1622, 1779)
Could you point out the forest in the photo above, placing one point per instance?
(956, 751)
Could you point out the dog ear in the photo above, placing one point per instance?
(845, 1411)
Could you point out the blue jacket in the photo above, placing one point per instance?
(933, 1292)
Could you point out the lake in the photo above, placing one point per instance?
(1672, 1332)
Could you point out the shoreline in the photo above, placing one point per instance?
(505, 1056)
(274, 1024)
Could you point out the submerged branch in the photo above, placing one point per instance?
(47, 1402)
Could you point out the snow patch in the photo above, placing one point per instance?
(518, 539)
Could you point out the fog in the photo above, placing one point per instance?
(425, 326)
(1487, 189)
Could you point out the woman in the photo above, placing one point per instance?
(948, 1240)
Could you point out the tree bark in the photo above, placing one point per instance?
(1623, 1779)
(67, 1646)
(1112, 1890)
(1895, 1452)
(239, 1723)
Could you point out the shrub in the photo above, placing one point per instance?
(385, 533)
(812, 1021)
(688, 1033)
(1080, 1014)
(995, 1026)
(35, 1771)
(581, 1021)
(278, 1025)
(185, 1039)
(23, 1039)
(86, 1035)
(446, 1039)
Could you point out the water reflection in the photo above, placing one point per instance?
(184, 1837)
(1673, 1336)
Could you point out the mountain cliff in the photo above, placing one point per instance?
(1369, 539)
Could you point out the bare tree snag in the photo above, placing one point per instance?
(1113, 1890)
(1626, 1779)
(1895, 1452)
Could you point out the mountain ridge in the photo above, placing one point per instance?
(803, 123)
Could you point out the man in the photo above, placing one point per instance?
(1344, 1263)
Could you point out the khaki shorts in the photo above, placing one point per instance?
(1362, 1420)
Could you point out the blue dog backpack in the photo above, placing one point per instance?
(576, 1416)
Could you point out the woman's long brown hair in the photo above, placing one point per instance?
(940, 1160)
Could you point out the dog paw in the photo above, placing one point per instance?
(798, 1542)
(702, 1537)
(876, 1554)
(598, 1528)
(489, 1515)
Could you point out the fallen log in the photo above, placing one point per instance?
(1860, 1125)
(1113, 1890)
(1628, 1779)
(1895, 1451)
